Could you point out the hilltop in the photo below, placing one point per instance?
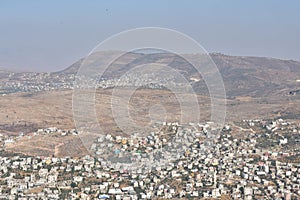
(242, 76)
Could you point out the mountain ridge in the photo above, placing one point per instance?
(242, 76)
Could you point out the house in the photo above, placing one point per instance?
(78, 178)
(103, 196)
(115, 191)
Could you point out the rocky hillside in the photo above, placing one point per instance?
(242, 76)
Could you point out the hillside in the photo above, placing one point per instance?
(242, 76)
(256, 88)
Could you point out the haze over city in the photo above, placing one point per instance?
(51, 35)
(148, 113)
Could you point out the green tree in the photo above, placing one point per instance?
(73, 185)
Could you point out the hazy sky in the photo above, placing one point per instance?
(51, 35)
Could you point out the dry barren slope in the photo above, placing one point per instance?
(242, 76)
(54, 108)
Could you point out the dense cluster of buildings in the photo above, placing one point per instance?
(35, 82)
(235, 164)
